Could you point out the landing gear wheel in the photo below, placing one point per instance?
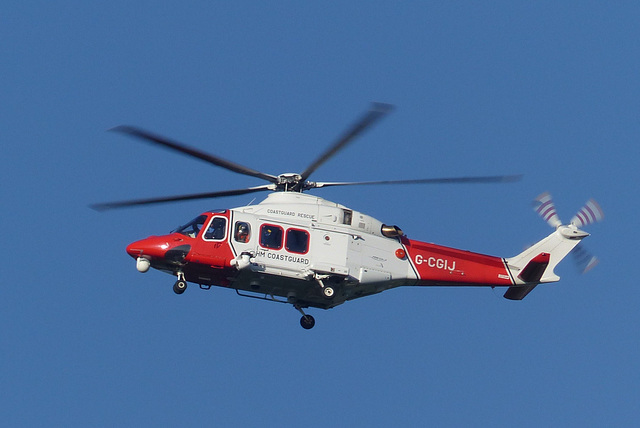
(180, 286)
(328, 292)
(307, 322)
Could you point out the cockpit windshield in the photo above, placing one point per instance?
(192, 228)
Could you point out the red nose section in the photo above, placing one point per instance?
(170, 247)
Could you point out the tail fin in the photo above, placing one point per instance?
(553, 249)
(536, 264)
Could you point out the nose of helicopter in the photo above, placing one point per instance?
(167, 248)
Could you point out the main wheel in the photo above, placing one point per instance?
(307, 322)
(328, 292)
(180, 286)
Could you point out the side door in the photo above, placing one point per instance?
(283, 249)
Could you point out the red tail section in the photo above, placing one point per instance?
(438, 265)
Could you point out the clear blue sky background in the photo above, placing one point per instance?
(547, 89)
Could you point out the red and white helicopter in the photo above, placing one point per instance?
(309, 252)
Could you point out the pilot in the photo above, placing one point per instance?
(216, 229)
(242, 233)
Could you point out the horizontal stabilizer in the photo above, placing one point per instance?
(518, 293)
(532, 272)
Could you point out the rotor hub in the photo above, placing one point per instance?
(289, 178)
(289, 182)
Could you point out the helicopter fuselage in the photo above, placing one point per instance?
(310, 252)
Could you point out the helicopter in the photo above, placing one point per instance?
(300, 249)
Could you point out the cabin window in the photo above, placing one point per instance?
(347, 215)
(217, 229)
(297, 241)
(192, 228)
(271, 236)
(242, 232)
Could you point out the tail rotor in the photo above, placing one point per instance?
(545, 208)
(585, 261)
(589, 214)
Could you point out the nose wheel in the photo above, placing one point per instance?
(180, 285)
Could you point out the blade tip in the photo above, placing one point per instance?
(514, 178)
(381, 107)
(99, 207)
(124, 129)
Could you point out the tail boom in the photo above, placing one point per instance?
(436, 265)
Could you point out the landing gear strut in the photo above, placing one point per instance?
(307, 321)
(327, 291)
(181, 284)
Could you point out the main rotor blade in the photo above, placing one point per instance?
(455, 180)
(376, 112)
(136, 202)
(156, 139)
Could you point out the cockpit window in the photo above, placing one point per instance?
(192, 228)
(217, 229)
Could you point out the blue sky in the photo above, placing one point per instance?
(544, 89)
